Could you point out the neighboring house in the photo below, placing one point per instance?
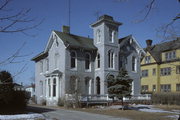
(74, 64)
(18, 87)
(161, 67)
(31, 90)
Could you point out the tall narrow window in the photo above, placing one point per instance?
(134, 65)
(154, 71)
(49, 87)
(87, 61)
(110, 59)
(113, 36)
(98, 61)
(47, 64)
(56, 57)
(54, 87)
(147, 59)
(98, 85)
(41, 66)
(178, 69)
(73, 59)
(110, 35)
(98, 36)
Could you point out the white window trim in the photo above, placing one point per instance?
(75, 68)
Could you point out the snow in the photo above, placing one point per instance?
(149, 108)
(22, 116)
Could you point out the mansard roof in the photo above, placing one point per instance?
(76, 41)
(156, 50)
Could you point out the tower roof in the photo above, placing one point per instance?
(105, 18)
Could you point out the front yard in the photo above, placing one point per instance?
(148, 112)
(137, 112)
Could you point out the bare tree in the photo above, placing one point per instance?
(166, 31)
(10, 21)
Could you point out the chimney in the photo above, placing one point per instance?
(148, 43)
(66, 29)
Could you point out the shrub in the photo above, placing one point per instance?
(43, 102)
(166, 98)
(61, 102)
(68, 104)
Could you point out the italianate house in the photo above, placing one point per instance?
(72, 63)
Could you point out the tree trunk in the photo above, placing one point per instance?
(122, 103)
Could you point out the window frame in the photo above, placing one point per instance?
(73, 60)
(87, 62)
(134, 64)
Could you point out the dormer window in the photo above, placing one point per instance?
(170, 55)
(147, 59)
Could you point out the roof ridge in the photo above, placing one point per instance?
(73, 34)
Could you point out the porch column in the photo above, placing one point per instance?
(51, 84)
(90, 86)
(57, 87)
(46, 88)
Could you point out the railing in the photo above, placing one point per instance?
(105, 97)
(139, 97)
(88, 98)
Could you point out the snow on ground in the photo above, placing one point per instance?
(22, 116)
(148, 108)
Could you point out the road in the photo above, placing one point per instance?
(63, 114)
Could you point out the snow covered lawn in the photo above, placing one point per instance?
(33, 116)
(149, 108)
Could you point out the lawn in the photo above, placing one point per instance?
(133, 114)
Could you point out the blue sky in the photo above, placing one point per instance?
(55, 14)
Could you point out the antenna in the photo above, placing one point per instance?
(69, 12)
(97, 14)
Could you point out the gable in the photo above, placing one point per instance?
(130, 41)
(152, 60)
(54, 38)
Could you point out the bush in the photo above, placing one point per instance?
(43, 102)
(166, 98)
(61, 102)
(68, 104)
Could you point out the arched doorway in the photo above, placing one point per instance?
(98, 86)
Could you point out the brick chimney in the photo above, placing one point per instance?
(66, 29)
(149, 43)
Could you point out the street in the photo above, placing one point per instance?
(62, 114)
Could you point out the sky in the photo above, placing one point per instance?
(54, 14)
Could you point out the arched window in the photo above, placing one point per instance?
(98, 61)
(54, 87)
(134, 63)
(73, 59)
(98, 34)
(113, 36)
(87, 61)
(98, 86)
(111, 59)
